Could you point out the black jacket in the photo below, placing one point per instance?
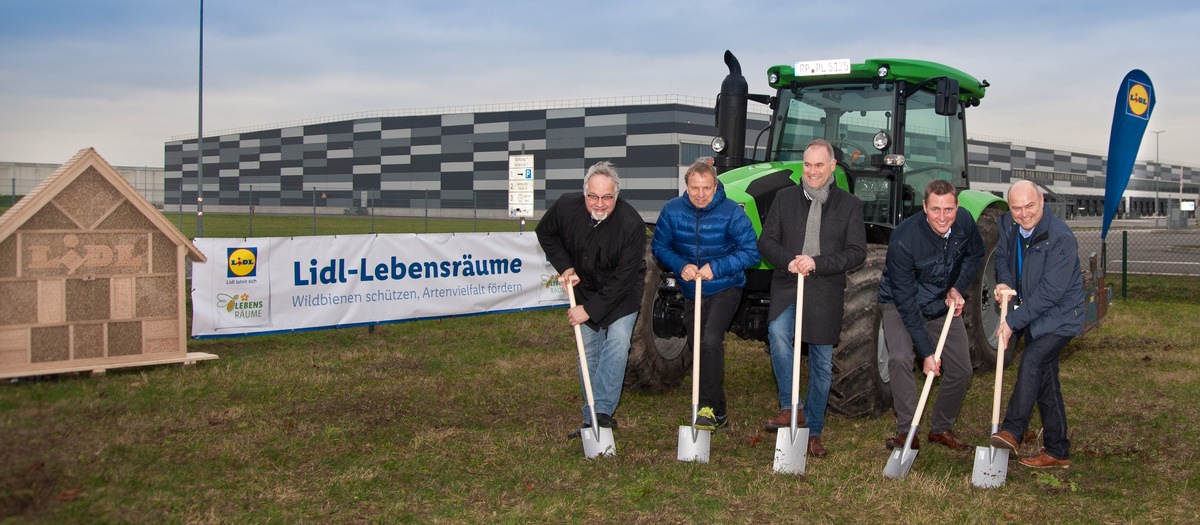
(609, 257)
(843, 247)
(921, 268)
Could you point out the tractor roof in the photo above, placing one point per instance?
(911, 71)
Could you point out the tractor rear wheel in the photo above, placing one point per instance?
(982, 313)
(858, 388)
(655, 363)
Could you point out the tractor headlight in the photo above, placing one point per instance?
(883, 71)
(718, 144)
(881, 141)
(773, 78)
(893, 160)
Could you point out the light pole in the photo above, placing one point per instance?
(1157, 174)
(199, 138)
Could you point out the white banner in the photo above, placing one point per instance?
(262, 285)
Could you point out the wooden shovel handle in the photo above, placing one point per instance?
(1000, 347)
(937, 354)
(796, 342)
(696, 347)
(583, 367)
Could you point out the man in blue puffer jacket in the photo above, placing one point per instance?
(703, 235)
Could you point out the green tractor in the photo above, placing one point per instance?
(896, 125)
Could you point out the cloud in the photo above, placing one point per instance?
(129, 67)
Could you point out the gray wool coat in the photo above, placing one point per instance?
(843, 247)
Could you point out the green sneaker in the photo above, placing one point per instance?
(706, 419)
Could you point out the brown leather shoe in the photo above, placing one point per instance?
(1045, 460)
(1003, 439)
(948, 439)
(815, 449)
(784, 420)
(897, 441)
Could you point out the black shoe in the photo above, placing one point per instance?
(605, 420)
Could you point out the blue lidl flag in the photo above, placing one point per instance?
(1135, 102)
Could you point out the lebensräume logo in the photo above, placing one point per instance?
(242, 262)
(1139, 99)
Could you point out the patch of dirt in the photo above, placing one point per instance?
(29, 489)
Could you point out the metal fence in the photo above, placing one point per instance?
(1142, 247)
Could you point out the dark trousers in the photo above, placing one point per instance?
(716, 313)
(956, 371)
(1037, 382)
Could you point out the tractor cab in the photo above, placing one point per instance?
(895, 125)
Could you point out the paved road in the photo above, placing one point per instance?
(1148, 250)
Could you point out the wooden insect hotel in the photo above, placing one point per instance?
(92, 277)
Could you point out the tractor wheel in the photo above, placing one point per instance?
(655, 363)
(982, 314)
(858, 388)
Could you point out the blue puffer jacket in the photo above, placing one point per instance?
(719, 235)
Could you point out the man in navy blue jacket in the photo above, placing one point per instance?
(932, 257)
(704, 235)
(1038, 257)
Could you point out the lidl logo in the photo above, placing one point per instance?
(242, 262)
(1137, 101)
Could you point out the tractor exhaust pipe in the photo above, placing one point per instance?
(731, 117)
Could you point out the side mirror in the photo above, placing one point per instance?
(946, 101)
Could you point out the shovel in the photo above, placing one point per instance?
(902, 459)
(791, 446)
(693, 442)
(991, 463)
(596, 439)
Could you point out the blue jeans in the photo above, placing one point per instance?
(607, 351)
(781, 333)
(1037, 382)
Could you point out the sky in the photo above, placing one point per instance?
(122, 75)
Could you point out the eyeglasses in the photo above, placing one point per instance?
(605, 198)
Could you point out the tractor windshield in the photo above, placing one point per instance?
(848, 115)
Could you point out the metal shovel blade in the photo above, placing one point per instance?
(596, 445)
(694, 444)
(991, 467)
(899, 462)
(790, 450)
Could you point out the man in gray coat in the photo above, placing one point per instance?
(815, 229)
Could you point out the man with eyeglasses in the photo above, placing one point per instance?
(814, 228)
(598, 242)
(1037, 256)
(704, 235)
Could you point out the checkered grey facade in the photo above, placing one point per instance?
(1076, 179)
(446, 162)
(456, 164)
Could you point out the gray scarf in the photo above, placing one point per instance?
(812, 228)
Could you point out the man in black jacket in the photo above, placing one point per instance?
(814, 228)
(932, 257)
(599, 242)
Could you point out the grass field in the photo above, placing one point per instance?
(464, 421)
